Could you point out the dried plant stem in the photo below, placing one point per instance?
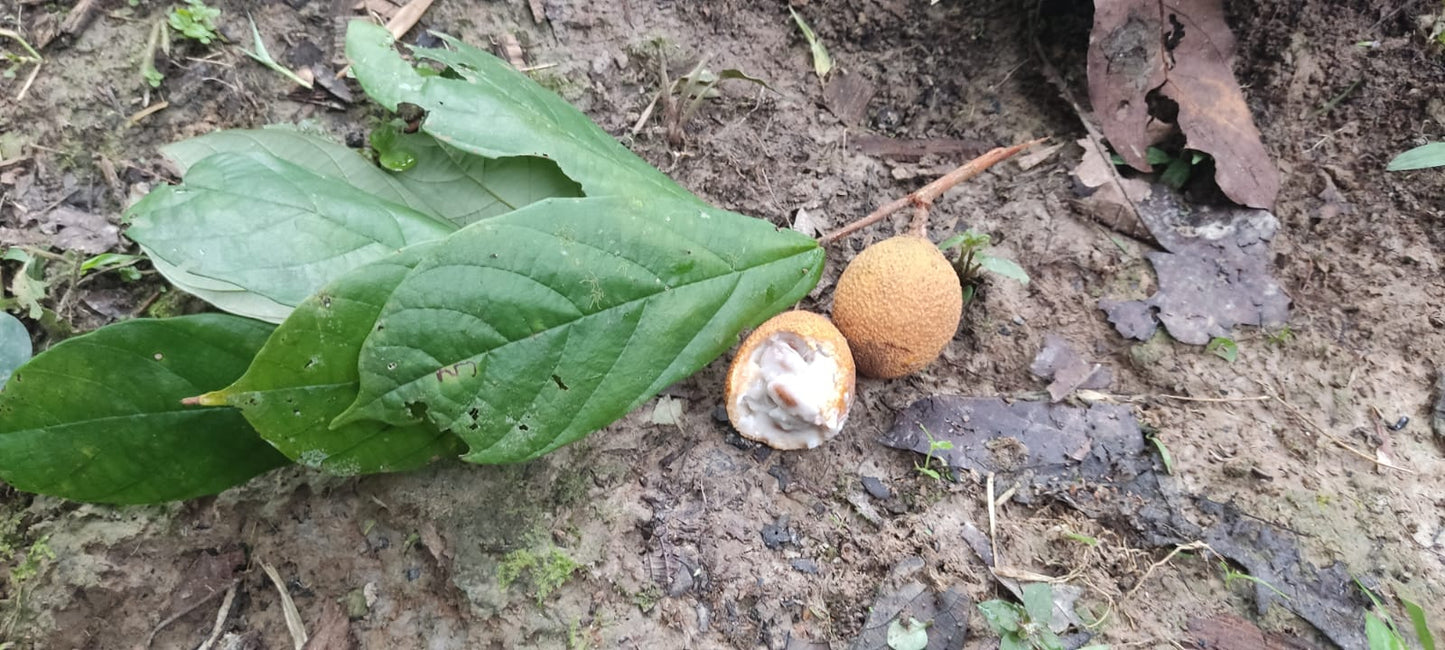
(922, 199)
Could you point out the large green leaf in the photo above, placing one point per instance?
(528, 331)
(496, 111)
(446, 182)
(306, 375)
(223, 295)
(99, 417)
(270, 227)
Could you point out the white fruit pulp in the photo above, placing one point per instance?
(792, 393)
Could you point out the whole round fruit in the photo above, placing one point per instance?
(791, 384)
(898, 303)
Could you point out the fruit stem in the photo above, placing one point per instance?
(922, 198)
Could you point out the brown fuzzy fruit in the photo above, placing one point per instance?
(898, 303)
(791, 384)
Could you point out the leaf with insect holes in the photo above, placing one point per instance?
(270, 227)
(528, 331)
(445, 182)
(99, 417)
(1421, 157)
(306, 375)
(489, 109)
(14, 346)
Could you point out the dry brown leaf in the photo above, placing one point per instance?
(1185, 51)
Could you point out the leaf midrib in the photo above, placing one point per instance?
(415, 380)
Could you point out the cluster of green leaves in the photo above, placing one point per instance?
(1026, 626)
(974, 260)
(523, 282)
(195, 21)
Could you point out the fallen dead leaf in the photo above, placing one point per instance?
(1214, 272)
(1185, 52)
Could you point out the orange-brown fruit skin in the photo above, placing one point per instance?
(810, 326)
(898, 303)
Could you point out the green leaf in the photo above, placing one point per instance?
(1002, 616)
(910, 635)
(1038, 600)
(1002, 266)
(822, 62)
(1013, 641)
(1164, 454)
(1157, 156)
(270, 227)
(223, 295)
(528, 331)
(14, 346)
(28, 285)
(1422, 626)
(1177, 173)
(99, 417)
(1421, 157)
(497, 112)
(445, 182)
(1380, 636)
(306, 375)
(263, 56)
(1223, 348)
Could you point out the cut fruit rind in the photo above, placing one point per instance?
(792, 382)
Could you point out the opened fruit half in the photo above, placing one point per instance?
(791, 383)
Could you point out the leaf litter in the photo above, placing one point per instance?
(1144, 51)
(1215, 272)
(1096, 460)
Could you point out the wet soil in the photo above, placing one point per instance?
(682, 535)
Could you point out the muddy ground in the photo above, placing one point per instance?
(665, 524)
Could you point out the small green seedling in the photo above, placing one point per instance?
(263, 56)
(926, 468)
(822, 62)
(681, 99)
(1152, 435)
(123, 265)
(1231, 575)
(1224, 348)
(1381, 632)
(973, 261)
(1421, 157)
(1280, 337)
(1177, 168)
(195, 21)
(1026, 626)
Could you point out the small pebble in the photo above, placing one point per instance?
(412, 574)
(785, 477)
(876, 488)
(806, 566)
(776, 534)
